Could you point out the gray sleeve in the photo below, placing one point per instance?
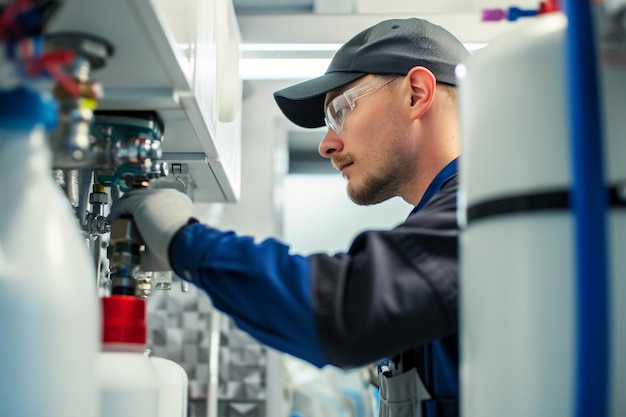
(393, 290)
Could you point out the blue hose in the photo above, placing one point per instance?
(589, 202)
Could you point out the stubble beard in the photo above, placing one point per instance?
(376, 189)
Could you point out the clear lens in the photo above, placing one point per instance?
(336, 112)
(340, 107)
(331, 125)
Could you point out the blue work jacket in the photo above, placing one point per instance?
(393, 292)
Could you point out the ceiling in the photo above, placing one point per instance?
(275, 6)
(351, 6)
(335, 21)
(302, 22)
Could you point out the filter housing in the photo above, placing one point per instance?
(518, 295)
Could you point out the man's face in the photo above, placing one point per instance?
(373, 150)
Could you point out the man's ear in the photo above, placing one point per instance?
(423, 86)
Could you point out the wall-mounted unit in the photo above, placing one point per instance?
(179, 58)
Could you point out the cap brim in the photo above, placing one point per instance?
(303, 103)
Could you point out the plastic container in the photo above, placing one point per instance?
(173, 387)
(49, 315)
(127, 379)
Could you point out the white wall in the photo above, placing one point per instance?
(318, 215)
(263, 141)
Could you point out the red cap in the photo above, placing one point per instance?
(548, 6)
(124, 319)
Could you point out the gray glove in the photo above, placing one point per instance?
(158, 215)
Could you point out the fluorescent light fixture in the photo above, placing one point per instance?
(282, 61)
(282, 69)
(287, 61)
(289, 47)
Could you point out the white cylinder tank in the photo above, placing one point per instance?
(518, 307)
(49, 316)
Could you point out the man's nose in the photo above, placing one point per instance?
(330, 144)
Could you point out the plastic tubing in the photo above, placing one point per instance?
(591, 372)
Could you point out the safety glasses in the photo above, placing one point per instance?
(340, 107)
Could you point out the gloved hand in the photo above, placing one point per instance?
(158, 215)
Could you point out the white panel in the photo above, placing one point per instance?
(229, 84)
(414, 7)
(227, 167)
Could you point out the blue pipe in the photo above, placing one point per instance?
(589, 202)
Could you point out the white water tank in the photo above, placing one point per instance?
(518, 303)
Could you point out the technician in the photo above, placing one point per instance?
(389, 101)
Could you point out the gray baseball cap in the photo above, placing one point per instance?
(392, 46)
